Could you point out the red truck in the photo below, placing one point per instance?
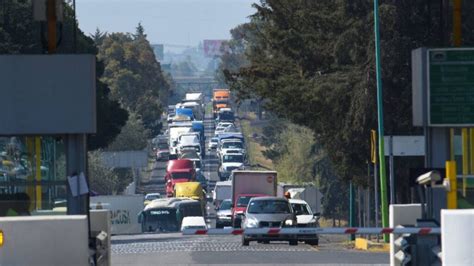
(178, 171)
(248, 184)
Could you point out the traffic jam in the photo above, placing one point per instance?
(241, 199)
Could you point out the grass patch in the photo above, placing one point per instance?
(254, 149)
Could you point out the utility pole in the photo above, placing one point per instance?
(52, 21)
(383, 178)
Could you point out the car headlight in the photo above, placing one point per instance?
(289, 222)
(251, 223)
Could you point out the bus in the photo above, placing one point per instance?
(166, 215)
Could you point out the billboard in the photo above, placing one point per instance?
(214, 48)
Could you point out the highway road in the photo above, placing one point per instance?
(174, 248)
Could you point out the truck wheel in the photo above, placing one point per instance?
(293, 242)
(245, 242)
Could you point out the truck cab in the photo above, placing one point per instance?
(192, 190)
(230, 162)
(240, 206)
(178, 171)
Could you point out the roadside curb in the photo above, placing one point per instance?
(365, 244)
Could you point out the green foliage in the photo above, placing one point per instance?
(133, 136)
(312, 62)
(299, 159)
(102, 179)
(134, 75)
(296, 160)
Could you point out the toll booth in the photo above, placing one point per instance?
(48, 106)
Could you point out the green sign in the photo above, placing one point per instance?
(451, 87)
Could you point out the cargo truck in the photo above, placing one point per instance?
(249, 184)
(175, 130)
(220, 100)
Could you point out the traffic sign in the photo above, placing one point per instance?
(451, 87)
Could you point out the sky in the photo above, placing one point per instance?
(175, 22)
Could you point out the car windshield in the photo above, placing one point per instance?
(232, 145)
(197, 164)
(233, 158)
(269, 206)
(152, 197)
(181, 176)
(225, 205)
(243, 201)
(301, 209)
(226, 116)
(163, 146)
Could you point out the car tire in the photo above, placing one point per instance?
(266, 242)
(293, 242)
(312, 242)
(245, 242)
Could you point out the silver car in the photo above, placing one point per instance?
(269, 212)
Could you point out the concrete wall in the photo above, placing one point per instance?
(402, 214)
(457, 234)
(44, 240)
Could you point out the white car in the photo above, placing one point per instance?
(225, 124)
(305, 218)
(193, 222)
(233, 144)
(219, 130)
(213, 143)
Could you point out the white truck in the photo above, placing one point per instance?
(175, 130)
(194, 97)
(249, 184)
(124, 210)
(308, 193)
(222, 191)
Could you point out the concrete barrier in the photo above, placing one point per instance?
(457, 234)
(402, 214)
(100, 221)
(44, 240)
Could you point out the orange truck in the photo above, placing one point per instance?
(220, 100)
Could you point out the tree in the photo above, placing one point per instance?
(102, 179)
(133, 136)
(134, 76)
(312, 62)
(98, 36)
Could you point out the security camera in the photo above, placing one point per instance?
(429, 178)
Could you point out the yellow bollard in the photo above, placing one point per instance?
(465, 159)
(453, 183)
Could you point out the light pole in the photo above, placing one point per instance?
(383, 179)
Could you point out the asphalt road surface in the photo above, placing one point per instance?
(174, 248)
